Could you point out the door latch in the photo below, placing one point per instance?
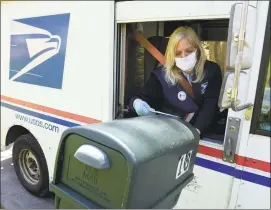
(231, 139)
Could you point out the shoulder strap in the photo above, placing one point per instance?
(161, 58)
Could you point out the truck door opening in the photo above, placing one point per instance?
(138, 63)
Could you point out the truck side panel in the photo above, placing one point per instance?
(55, 60)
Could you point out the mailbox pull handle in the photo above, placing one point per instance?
(92, 156)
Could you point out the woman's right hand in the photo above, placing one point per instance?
(142, 108)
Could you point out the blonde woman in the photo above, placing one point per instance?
(184, 56)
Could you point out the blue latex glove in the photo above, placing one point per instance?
(141, 107)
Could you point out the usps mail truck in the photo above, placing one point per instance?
(69, 63)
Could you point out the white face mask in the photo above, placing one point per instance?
(187, 63)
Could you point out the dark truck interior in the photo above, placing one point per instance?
(140, 63)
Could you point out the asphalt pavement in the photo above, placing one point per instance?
(13, 195)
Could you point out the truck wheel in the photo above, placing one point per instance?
(30, 165)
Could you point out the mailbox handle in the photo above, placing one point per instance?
(92, 156)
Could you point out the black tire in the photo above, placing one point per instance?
(28, 143)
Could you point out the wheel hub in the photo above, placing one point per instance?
(29, 166)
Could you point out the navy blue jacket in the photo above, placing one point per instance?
(172, 100)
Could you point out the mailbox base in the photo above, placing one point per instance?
(66, 198)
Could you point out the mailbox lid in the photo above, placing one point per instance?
(105, 187)
(140, 139)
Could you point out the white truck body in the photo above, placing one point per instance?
(73, 82)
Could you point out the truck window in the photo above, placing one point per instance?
(264, 118)
(137, 64)
(262, 111)
(261, 121)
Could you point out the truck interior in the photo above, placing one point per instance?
(138, 63)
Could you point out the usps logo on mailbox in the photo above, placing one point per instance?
(183, 164)
(38, 49)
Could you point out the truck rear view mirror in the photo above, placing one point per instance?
(226, 89)
(233, 36)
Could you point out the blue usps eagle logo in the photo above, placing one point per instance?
(38, 49)
(203, 87)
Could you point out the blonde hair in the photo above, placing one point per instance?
(172, 72)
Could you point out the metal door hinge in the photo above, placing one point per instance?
(248, 113)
